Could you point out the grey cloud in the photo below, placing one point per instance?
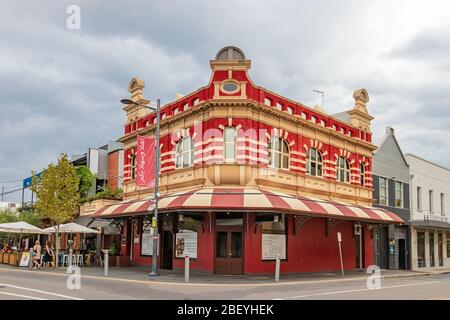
(60, 89)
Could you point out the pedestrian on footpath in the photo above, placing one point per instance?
(37, 255)
(49, 255)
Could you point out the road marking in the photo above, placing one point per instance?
(39, 291)
(357, 290)
(22, 296)
(287, 283)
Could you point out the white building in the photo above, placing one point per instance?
(9, 205)
(430, 214)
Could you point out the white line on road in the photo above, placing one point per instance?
(357, 290)
(21, 295)
(40, 291)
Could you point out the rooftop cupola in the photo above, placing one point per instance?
(230, 58)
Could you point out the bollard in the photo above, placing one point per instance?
(277, 270)
(186, 269)
(106, 262)
(30, 262)
(70, 256)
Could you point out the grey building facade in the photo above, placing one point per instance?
(391, 190)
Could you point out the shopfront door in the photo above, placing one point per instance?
(440, 250)
(431, 246)
(229, 250)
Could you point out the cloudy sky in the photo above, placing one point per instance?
(60, 88)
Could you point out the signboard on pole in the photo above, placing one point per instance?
(273, 246)
(145, 162)
(186, 244)
(147, 244)
(27, 181)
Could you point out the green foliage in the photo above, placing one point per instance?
(31, 217)
(113, 251)
(57, 191)
(104, 194)
(87, 179)
(7, 215)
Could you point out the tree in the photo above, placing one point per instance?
(31, 217)
(57, 194)
(87, 178)
(7, 215)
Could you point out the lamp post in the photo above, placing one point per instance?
(155, 225)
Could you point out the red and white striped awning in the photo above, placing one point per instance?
(250, 199)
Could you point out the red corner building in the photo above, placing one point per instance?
(247, 176)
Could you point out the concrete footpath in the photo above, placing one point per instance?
(141, 274)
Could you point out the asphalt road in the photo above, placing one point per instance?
(28, 285)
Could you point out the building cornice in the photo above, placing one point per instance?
(206, 105)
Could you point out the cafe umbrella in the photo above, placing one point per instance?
(20, 227)
(71, 228)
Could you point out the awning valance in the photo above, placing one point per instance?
(250, 199)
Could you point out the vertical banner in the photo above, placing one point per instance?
(145, 162)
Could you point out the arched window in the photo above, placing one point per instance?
(342, 170)
(362, 174)
(278, 153)
(184, 153)
(229, 141)
(133, 166)
(314, 163)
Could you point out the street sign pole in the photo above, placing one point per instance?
(155, 234)
(339, 236)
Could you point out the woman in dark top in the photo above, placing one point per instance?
(49, 254)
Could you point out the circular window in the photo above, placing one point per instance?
(230, 87)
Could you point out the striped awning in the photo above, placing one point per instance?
(250, 199)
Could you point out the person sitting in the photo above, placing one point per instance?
(37, 255)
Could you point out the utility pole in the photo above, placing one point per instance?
(323, 95)
(3, 192)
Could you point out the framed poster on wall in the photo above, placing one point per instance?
(186, 244)
(273, 246)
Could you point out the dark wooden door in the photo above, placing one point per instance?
(402, 253)
(166, 250)
(229, 251)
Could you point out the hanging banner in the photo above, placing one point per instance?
(145, 162)
(186, 244)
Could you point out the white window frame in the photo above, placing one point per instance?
(401, 194)
(227, 143)
(180, 153)
(314, 163)
(346, 170)
(386, 187)
(279, 153)
(419, 198)
(430, 201)
(362, 174)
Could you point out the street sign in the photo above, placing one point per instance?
(27, 181)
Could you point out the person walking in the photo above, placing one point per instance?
(49, 254)
(37, 255)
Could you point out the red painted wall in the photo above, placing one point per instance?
(308, 251)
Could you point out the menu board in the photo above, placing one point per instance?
(273, 246)
(25, 259)
(186, 244)
(147, 244)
